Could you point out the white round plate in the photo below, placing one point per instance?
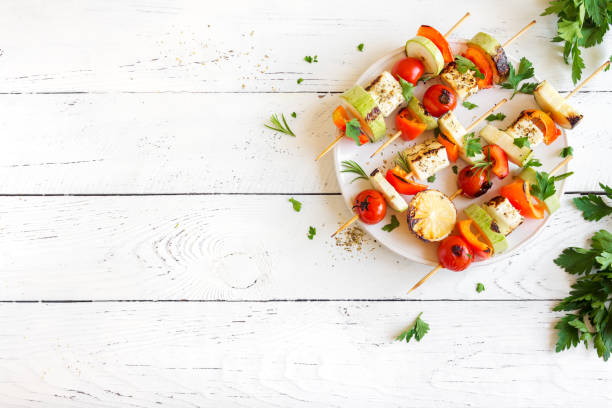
(401, 240)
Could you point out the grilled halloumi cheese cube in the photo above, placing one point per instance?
(387, 92)
(503, 212)
(393, 198)
(523, 126)
(464, 85)
(427, 158)
(453, 129)
(553, 103)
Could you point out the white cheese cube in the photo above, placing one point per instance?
(427, 158)
(464, 85)
(524, 127)
(387, 92)
(504, 214)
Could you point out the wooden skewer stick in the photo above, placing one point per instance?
(484, 115)
(346, 224)
(387, 143)
(437, 268)
(457, 24)
(456, 194)
(517, 35)
(328, 148)
(583, 83)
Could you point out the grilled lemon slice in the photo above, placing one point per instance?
(431, 215)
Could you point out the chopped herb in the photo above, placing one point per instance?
(297, 206)
(300, 80)
(567, 151)
(533, 163)
(353, 130)
(293, 115)
(593, 206)
(278, 126)
(312, 231)
(392, 225)
(469, 105)
(545, 184)
(495, 116)
(310, 59)
(360, 47)
(522, 142)
(431, 178)
(402, 161)
(482, 165)
(463, 64)
(455, 169)
(350, 166)
(472, 145)
(418, 330)
(480, 287)
(407, 89)
(525, 71)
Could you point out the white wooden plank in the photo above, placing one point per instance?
(191, 45)
(177, 143)
(480, 354)
(240, 247)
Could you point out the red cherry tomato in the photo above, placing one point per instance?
(439, 41)
(498, 159)
(410, 69)
(408, 123)
(474, 181)
(439, 99)
(398, 178)
(520, 197)
(476, 240)
(482, 63)
(371, 206)
(454, 253)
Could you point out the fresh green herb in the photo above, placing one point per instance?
(454, 169)
(310, 59)
(392, 225)
(297, 206)
(469, 105)
(418, 330)
(495, 116)
(431, 178)
(606, 69)
(350, 166)
(589, 299)
(278, 126)
(480, 287)
(472, 145)
(300, 80)
(525, 71)
(360, 47)
(481, 165)
(293, 115)
(312, 231)
(463, 64)
(402, 161)
(407, 89)
(522, 142)
(567, 151)
(533, 163)
(593, 206)
(580, 23)
(545, 184)
(353, 130)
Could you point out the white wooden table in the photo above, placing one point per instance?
(149, 255)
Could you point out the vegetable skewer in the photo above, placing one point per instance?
(439, 266)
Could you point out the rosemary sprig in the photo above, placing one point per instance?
(402, 161)
(350, 166)
(278, 126)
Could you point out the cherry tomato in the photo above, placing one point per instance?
(498, 159)
(520, 197)
(340, 117)
(477, 242)
(474, 181)
(398, 178)
(371, 206)
(439, 41)
(481, 61)
(439, 99)
(452, 150)
(410, 69)
(454, 253)
(409, 124)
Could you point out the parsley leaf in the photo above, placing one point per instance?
(312, 231)
(522, 141)
(469, 105)
(310, 59)
(419, 329)
(360, 47)
(300, 80)
(297, 206)
(533, 163)
(525, 71)
(455, 169)
(497, 116)
(567, 151)
(472, 145)
(545, 184)
(353, 130)
(431, 178)
(293, 115)
(480, 287)
(407, 89)
(392, 225)
(463, 64)
(593, 207)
